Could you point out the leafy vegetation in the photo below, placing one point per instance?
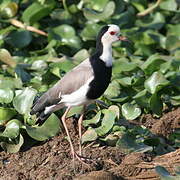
(41, 40)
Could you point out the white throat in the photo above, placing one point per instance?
(107, 54)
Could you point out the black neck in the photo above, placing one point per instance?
(99, 45)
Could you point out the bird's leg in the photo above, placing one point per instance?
(74, 154)
(67, 132)
(80, 132)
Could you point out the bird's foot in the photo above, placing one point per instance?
(84, 160)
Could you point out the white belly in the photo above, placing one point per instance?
(78, 97)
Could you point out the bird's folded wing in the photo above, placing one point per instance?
(71, 82)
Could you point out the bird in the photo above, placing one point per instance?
(82, 85)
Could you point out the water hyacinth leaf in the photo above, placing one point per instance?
(39, 65)
(23, 101)
(111, 139)
(12, 129)
(139, 5)
(156, 104)
(158, 38)
(97, 16)
(6, 58)
(98, 5)
(6, 95)
(152, 64)
(11, 83)
(126, 81)
(123, 66)
(107, 122)
(22, 73)
(13, 148)
(75, 110)
(157, 22)
(6, 114)
(175, 100)
(67, 35)
(37, 11)
(162, 171)
(8, 9)
(89, 135)
(94, 120)
(130, 111)
(142, 98)
(169, 5)
(49, 129)
(19, 39)
(81, 55)
(115, 109)
(90, 31)
(113, 92)
(173, 29)
(128, 144)
(172, 42)
(156, 82)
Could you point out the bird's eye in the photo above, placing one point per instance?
(112, 33)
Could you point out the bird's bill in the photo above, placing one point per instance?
(123, 38)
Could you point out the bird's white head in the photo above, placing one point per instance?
(112, 35)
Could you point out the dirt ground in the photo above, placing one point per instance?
(51, 160)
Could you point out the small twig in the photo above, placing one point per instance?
(29, 28)
(150, 9)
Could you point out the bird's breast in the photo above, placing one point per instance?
(101, 80)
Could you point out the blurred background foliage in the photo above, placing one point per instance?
(43, 39)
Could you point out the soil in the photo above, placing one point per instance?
(51, 160)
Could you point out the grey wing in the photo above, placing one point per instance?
(72, 81)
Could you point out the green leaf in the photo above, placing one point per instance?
(11, 83)
(6, 95)
(90, 31)
(125, 81)
(156, 104)
(22, 73)
(8, 9)
(169, 5)
(6, 114)
(175, 100)
(128, 144)
(97, 16)
(98, 5)
(19, 39)
(89, 135)
(130, 111)
(75, 110)
(152, 64)
(172, 42)
(162, 171)
(156, 82)
(12, 129)
(39, 65)
(81, 55)
(107, 122)
(142, 98)
(156, 21)
(113, 92)
(49, 129)
(115, 109)
(13, 148)
(6, 58)
(37, 11)
(67, 35)
(23, 101)
(94, 120)
(123, 66)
